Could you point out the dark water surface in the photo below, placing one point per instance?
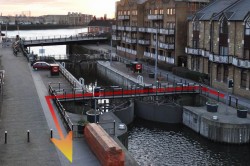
(176, 145)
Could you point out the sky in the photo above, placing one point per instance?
(62, 7)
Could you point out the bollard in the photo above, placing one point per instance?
(5, 137)
(218, 97)
(28, 135)
(114, 127)
(236, 102)
(51, 133)
(230, 98)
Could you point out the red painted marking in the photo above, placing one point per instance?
(48, 99)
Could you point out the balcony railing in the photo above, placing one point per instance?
(123, 17)
(114, 37)
(121, 28)
(166, 46)
(221, 58)
(114, 27)
(131, 29)
(151, 30)
(155, 16)
(130, 40)
(167, 31)
(160, 57)
(241, 62)
(144, 42)
(225, 59)
(142, 29)
(193, 51)
(130, 51)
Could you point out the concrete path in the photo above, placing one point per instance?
(23, 107)
(21, 111)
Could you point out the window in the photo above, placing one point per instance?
(128, 12)
(243, 79)
(218, 75)
(170, 11)
(150, 11)
(224, 26)
(195, 43)
(247, 28)
(223, 50)
(161, 11)
(225, 75)
(196, 26)
(156, 11)
(246, 54)
(170, 25)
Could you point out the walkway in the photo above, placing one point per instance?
(23, 108)
(170, 76)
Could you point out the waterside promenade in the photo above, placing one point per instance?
(23, 108)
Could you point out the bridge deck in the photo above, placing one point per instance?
(62, 40)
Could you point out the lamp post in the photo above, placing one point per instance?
(156, 54)
(111, 48)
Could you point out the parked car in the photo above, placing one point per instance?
(41, 66)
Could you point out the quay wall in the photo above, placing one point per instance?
(164, 113)
(213, 129)
(114, 75)
(126, 115)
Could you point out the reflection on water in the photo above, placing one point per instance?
(175, 145)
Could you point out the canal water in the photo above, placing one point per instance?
(154, 144)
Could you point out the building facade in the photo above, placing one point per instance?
(100, 26)
(219, 44)
(147, 29)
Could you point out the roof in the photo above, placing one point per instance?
(100, 23)
(213, 9)
(238, 11)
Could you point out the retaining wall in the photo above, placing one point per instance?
(104, 147)
(165, 113)
(114, 75)
(126, 115)
(216, 130)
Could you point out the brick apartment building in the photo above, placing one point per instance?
(147, 29)
(219, 44)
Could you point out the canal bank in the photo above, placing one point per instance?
(123, 76)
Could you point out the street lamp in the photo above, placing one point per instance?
(156, 54)
(111, 48)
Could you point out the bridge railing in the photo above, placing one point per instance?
(60, 38)
(73, 81)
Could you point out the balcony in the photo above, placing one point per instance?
(144, 41)
(114, 27)
(155, 16)
(123, 17)
(121, 28)
(114, 37)
(166, 46)
(142, 29)
(160, 57)
(241, 63)
(131, 29)
(226, 59)
(167, 31)
(130, 40)
(193, 51)
(151, 30)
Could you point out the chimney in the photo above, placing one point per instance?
(105, 16)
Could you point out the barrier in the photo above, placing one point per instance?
(105, 148)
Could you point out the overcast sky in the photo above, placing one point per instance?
(44, 7)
